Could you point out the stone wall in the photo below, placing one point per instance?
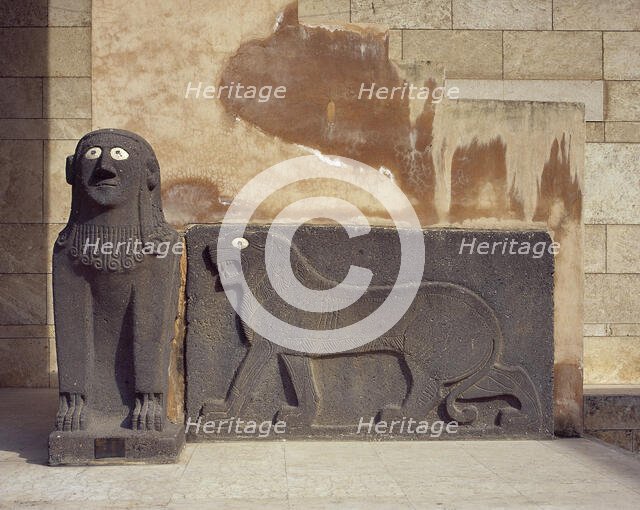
(45, 105)
(585, 51)
(550, 50)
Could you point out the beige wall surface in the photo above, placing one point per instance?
(45, 106)
(585, 51)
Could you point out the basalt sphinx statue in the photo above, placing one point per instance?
(115, 291)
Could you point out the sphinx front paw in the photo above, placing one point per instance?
(71, 413)
(148, 413)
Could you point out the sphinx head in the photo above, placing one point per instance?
(112, 167)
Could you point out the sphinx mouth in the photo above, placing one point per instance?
(108, 183)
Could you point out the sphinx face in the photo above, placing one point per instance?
(109, 168)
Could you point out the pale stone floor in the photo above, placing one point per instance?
(567, 473)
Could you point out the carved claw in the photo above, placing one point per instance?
(148, 412)
(71, 412)
(63, 407)
(77, 420)
(158, 421)
(68, 418)
(142, 418)
(135, 422)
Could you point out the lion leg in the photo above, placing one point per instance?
(74, 342)
(301, 375)
(244, 382)
(466, 413)
(505, 380)
(422, 395)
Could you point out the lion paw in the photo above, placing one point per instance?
(294, 417)
(391, 413)
(218, 409)
(71, 412)
(148, 413)
(467, 414)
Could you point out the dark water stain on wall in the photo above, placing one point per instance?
(557, 185)
(479, 184)
(324, 71)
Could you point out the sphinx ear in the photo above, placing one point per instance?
(69, 170)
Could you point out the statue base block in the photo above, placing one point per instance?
(116, 446)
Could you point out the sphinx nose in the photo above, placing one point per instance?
(105, 165)
(105, 170)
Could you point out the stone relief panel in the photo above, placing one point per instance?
(473, 349)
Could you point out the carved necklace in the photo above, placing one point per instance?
(104, 247)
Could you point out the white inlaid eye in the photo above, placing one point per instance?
(93, 153)
(240, 243)
(118, 153)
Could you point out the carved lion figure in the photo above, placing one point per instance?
(435, 325)
(115, 285)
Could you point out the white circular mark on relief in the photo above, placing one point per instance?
(93, 153)
(240, 243)
(119, 154)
